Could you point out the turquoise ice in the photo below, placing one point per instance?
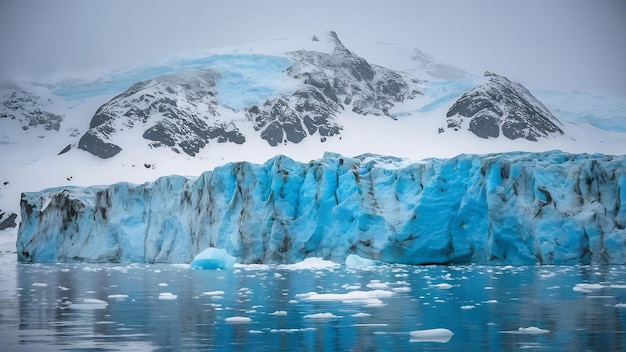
(246, 79)
(511, 208)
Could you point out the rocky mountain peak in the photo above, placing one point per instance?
(175, 110)
(29, 111)
(500, 106)
(332, 82)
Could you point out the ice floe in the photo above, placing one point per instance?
(89, 303)
(323, 316)
(531, 330)
(238, 320)
(441, 335)
(166, 296)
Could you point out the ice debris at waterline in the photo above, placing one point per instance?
(511, 208)
(440, 335)
(213, 258)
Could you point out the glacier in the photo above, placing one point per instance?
(250, 73)
(507, 208)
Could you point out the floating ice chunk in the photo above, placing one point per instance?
(94, 301)
(377, 285)
(279, 312)
(617, 286)
(403, 289)
(431, 335)
(372, 302)
(213, 258)
(587, 288)
(213, 293)
(310, 263)
(238, 320)
(443, 286)
(354, 261)
(167, 296)
(547, 275)
(361, 315)
(163, 284)
(531, 330)
(468, 307)
(369, 298)
(372, 324)
(323, 316)
(620, 305)
(290, 331)
(39, 284)
(90, 303)
(119, 297)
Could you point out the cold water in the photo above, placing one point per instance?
(315, 307)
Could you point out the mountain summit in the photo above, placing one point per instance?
(181, 110)
(174, 110)
(502, 106)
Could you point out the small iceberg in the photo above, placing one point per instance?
(355, 261)
(531, 330)
(213, 258)
(238, 320)
(89, 303)
(323, 316)
(440, 335)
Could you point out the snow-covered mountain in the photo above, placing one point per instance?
(176, 110)
(28, 111)
(500, 106)
(295, 97)
(181, 110)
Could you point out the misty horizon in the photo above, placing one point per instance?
(565, 44)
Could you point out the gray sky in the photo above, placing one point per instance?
(570, 44)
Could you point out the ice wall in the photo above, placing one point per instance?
(514, 208)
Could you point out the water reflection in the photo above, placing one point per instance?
(133, 308)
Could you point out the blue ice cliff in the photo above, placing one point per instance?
(513, 208)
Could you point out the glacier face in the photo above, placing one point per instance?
(512, 208)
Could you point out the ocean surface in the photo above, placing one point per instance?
(313, 307)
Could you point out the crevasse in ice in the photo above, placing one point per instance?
(511, 208)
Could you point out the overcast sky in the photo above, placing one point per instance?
(570, 44)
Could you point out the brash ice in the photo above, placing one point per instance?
(510, 208)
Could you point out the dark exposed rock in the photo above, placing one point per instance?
(331, 81)
(175, 110)
(485, 126)
(98, 147)
(29, 110)
(7, 220)
(500, 105)
(293, 117)
(66, 149)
